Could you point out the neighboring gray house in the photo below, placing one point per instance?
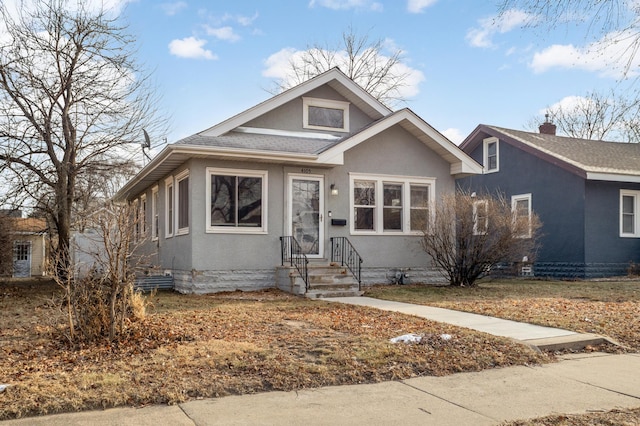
(586, 193)
(322, 160)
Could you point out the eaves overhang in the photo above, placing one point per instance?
(172, 156)
(460, 163)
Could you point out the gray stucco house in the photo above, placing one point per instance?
(586, 193)
(320, 161)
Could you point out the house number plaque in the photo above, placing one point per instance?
(305, 171)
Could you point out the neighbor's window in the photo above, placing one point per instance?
(521, 207)
(168, 192)
(629, 213)
(236, 200)
(325, 114)
(155, 226)
(404, 207)
(491, 150)
(182, 198)
(480, 217)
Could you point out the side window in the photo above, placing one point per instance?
(155, 225)
(169, 203)
(182, 205)
(491, 151)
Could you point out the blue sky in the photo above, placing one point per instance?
(214, 59)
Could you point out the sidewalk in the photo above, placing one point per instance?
(577, 384)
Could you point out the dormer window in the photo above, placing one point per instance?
(324, 114)
(491, 155)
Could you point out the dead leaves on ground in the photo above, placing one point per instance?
(233, 343)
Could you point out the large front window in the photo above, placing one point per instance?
(402, 208)
(236, 200)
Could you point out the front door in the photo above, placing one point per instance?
(22, 259)
(306, 204)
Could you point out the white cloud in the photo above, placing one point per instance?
(347, 4)
(173, 8)
(278, 66)
(190, 47)
(245, 21)
(454, 135)
(499, 24)
(568, 103)
(223, 33)
(418, 6)
(614, 55)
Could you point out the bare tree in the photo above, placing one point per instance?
(468, 235)
(597, 116)
(616, 20)
(72, 100)
(361, 59)
(101, 301)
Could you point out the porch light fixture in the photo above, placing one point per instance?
(334, 189)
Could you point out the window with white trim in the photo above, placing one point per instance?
(521, 208)
(182, 203)
(629, 218)
(325, 114)
(491, 150)
(168, 207)
(236, 201)
(143, 214)
(155, 217)
(402, 208)
(480, 217)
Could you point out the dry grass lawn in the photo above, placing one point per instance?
(191, 347)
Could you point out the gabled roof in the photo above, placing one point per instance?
(232, 140)
(335, 78)
(590, 159)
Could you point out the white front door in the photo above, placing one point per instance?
(22, 259)
(306, 207)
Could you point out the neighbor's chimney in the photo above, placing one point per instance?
(547, 128)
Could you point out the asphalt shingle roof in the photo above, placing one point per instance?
(261, 142)
(589, 155)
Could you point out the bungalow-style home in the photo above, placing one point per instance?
(585, 192)
(29, 237)
(322, 176)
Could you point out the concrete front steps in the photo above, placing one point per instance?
(325, 280)
(331, 281)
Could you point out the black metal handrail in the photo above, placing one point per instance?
(291, 252)
(343, 251)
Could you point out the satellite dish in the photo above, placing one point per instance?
(147, 141)
(146, 144)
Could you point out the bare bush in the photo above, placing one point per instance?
(468, 235)
(100, 304)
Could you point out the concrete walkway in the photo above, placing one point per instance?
(577, 384)
(544, 338)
